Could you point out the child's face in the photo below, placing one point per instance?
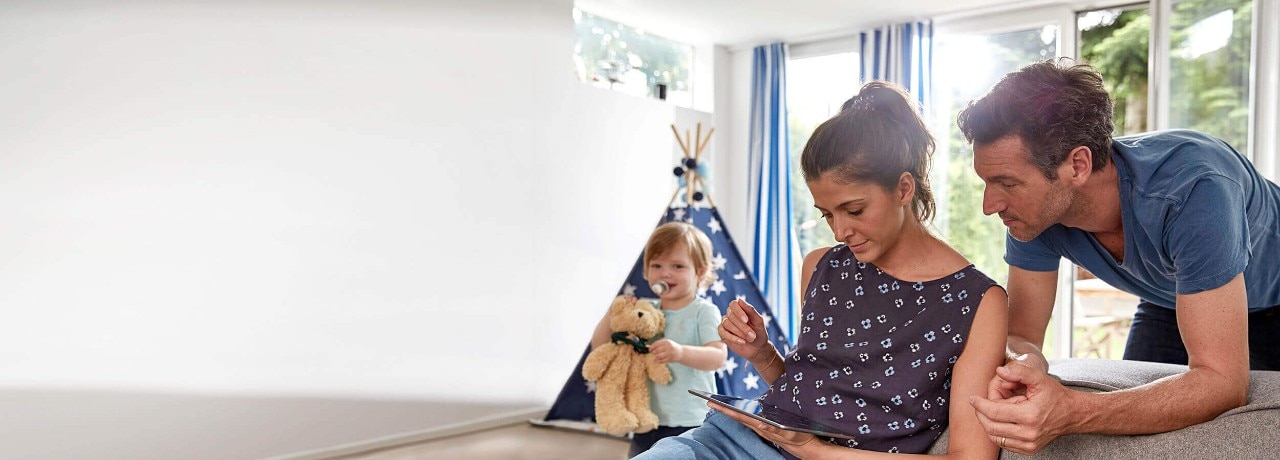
(865, 217)
(674, 267)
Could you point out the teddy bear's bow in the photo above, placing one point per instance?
(635, 342)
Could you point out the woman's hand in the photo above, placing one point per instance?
(795, 442)
(742, 329)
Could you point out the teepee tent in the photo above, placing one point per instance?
(575, 407)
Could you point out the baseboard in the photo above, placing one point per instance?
(577, 427)
(405, 439)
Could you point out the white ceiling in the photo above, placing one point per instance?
(743, 23)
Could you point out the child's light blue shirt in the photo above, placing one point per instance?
(693, 325)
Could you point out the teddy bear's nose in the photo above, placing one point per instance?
(640, 314)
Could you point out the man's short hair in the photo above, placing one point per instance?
(1054, 106)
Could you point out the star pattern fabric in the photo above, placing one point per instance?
(737, 376)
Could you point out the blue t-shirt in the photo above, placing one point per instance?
(1195, 214)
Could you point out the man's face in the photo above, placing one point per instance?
(1027, 202)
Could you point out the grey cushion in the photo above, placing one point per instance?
(1251, 431)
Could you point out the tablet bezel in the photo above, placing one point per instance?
(776, 424)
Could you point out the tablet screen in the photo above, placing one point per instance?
(771, 414)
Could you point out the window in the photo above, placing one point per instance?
(1196, 73)
(1115, 41)
(1207, 57)
(816, 87)
(1205, 64)
(1209, 68)
(966, 66)
(612, 55)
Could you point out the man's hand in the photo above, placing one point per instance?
(1004, 389)
(1027, 422)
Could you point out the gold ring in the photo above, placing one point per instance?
(1002, 442)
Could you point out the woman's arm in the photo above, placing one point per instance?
(744, 333)
(984, 352)
(770, 363)
(806, 269)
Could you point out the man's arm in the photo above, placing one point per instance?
(1031, 296)
(1214, 327)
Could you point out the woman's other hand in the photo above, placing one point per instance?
(742, 329)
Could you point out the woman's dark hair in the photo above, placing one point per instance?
(1053, 106)
(877, 136)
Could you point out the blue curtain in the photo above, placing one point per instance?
(776, 257)
(902, 54)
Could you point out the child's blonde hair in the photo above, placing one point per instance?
(667, 235)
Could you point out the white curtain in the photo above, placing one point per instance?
(777, 257)
(902, 54)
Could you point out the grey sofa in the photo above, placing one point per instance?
(1248, 432)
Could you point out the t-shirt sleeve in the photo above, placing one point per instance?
(1033, 255)
(708, 322)
(1207, 239)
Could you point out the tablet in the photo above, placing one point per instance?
(772, 415)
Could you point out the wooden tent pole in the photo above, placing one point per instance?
(691, 174)
(705, 195)
(673, 197)
(697, 140)
(678, 139)
(703, 145)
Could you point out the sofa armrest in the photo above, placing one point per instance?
(1250, 431)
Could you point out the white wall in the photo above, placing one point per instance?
(733, 111)
(375, 198)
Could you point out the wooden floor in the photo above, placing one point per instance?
(519, 441)
(80, 424)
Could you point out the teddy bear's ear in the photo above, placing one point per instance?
(619, 303)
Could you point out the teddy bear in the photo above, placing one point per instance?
(621, 366)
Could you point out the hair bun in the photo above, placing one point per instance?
(882, 96)
(857, 102)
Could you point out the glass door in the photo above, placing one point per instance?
(966, 65)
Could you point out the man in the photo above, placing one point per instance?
(1177, 218)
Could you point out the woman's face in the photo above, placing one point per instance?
(864, 216)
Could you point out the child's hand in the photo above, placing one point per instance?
(742, 329)
(666, 351)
